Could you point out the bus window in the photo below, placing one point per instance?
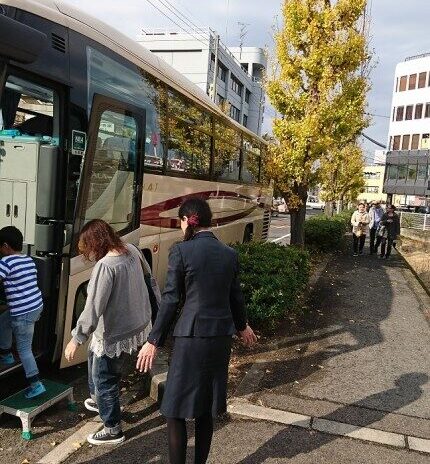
(110, 195)
(227, 161)
(189, 150)
(28, 109)
(251, 160)
(108, 77)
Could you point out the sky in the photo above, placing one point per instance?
(398, 30)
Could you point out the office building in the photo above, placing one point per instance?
(374, 178)
(408, 157)
(237, 87)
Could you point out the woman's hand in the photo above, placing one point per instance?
(248, 336)
(146, 357)
(69, 352)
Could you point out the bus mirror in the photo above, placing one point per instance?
(20, 42)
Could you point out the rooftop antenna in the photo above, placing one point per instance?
(226, 22)
(242, 34)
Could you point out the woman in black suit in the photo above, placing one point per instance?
(203, 273)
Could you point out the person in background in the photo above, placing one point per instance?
(24, 303)
(391, 223)
(375, 215)
(118, 314)
(360, 225)
(204, 273)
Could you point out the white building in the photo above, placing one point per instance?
(409, 134)
(239, 71)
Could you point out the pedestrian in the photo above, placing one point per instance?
(389, 229)
(117, 313)
(203, 272)
(375, 215)
(24, 305)
(360, 225)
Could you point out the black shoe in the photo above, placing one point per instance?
(360, 252)
(105, 438)
(91, 405)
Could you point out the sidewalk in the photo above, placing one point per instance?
(365, 370)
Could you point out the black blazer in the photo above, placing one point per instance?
(205, 272)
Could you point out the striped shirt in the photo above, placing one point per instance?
(19, 276)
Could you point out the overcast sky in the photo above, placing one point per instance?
(398, 29)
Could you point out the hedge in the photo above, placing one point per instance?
(326, 233)
(273, 278)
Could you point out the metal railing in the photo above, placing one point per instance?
(415, 221)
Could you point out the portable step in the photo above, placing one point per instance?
(27, 409)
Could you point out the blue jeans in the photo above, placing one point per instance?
(22, 327)
(104, 375)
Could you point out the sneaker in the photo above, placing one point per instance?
(355, 254)
(105, 438)
(35, 389)
(91, 405)
(7, 359)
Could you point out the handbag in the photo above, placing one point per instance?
(152, 286)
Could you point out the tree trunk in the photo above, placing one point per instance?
(298, 217)
(328, 209)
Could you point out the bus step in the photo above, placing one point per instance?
(27, 409)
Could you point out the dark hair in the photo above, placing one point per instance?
(361, 203)
(199, 214)
(98, 238)
(12, 236)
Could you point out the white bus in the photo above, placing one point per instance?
(92, 125)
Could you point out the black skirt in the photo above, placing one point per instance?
(197, 378)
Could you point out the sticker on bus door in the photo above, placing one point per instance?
(79, 142)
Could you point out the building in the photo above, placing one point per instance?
(239, 71)
(408, 157)
(374, 177)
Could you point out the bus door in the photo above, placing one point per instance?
(110, 189)
(31, 166)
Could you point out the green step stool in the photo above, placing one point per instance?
(27, 409)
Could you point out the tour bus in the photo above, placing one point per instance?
(93, 125)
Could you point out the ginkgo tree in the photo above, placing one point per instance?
(318, 87)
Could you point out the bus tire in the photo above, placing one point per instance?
(248, 233)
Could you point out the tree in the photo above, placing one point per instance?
(319, 88)
(342, 174)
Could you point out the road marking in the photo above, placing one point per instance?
(276, 240)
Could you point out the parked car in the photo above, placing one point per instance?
(314, 203)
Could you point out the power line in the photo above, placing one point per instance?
(182, 15)
(174, 22)
(377, 115)
(379, 144)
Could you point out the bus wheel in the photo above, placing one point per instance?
(248, 234)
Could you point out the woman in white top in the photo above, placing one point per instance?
(360, 227)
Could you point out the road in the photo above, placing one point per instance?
(280, 231)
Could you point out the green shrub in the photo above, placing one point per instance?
(272, 278)
(325, 233)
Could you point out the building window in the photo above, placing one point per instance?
(402, 171)
(403, 81)
(419, 111)
(399, 113)
(396, 142)
(405, 142)
(415, 142)
(408, 113)
(247, 95)
(234, 113)
(212, 65)
(245, 120)
(236, 86)
(422, 77)
(222, 72)
(412, 82)
(371, 189)
(425, 142)
(427, 113)
(392, 172)
(372, 175)
(412, 172)
(422, 172)
(220, 99)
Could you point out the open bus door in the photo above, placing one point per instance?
(110, 189)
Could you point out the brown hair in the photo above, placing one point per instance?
(97, 238)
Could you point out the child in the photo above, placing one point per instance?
(24, 302)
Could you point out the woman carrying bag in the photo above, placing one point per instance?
(118, 315)
(202, 272)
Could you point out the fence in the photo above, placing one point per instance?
(415, 221)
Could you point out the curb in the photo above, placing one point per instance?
(243, 408)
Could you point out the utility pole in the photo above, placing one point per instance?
(215, 77)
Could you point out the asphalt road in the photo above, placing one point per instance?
(280, 231)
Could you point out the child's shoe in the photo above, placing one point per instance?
(7, 359)
(35, 389)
